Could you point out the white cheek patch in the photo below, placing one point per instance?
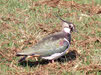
(67, 30)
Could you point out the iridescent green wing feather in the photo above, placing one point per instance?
(47, 47)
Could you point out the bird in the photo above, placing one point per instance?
(52, 46)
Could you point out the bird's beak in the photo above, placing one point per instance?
(75, 30)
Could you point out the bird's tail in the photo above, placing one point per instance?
(22, 59)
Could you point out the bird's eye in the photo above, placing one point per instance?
(70, 26)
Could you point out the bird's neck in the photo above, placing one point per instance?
(67, 30)
(67, 35)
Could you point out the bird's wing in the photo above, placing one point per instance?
(47, 47)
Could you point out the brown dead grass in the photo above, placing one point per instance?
(49, 68)
(91, 8)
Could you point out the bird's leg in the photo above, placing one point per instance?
(36, 58)
(29, 57)
(22, 59)
(52, 61)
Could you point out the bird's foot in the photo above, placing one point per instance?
(52, 61)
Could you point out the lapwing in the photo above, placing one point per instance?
(51, 47)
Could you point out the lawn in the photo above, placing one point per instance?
(24, 22)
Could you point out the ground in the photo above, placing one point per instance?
(24, 22)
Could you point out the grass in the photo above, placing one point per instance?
(23, 23)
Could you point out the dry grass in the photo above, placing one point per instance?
(24, 23)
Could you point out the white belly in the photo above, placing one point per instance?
(54, 56)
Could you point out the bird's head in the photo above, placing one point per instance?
(68, 27)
